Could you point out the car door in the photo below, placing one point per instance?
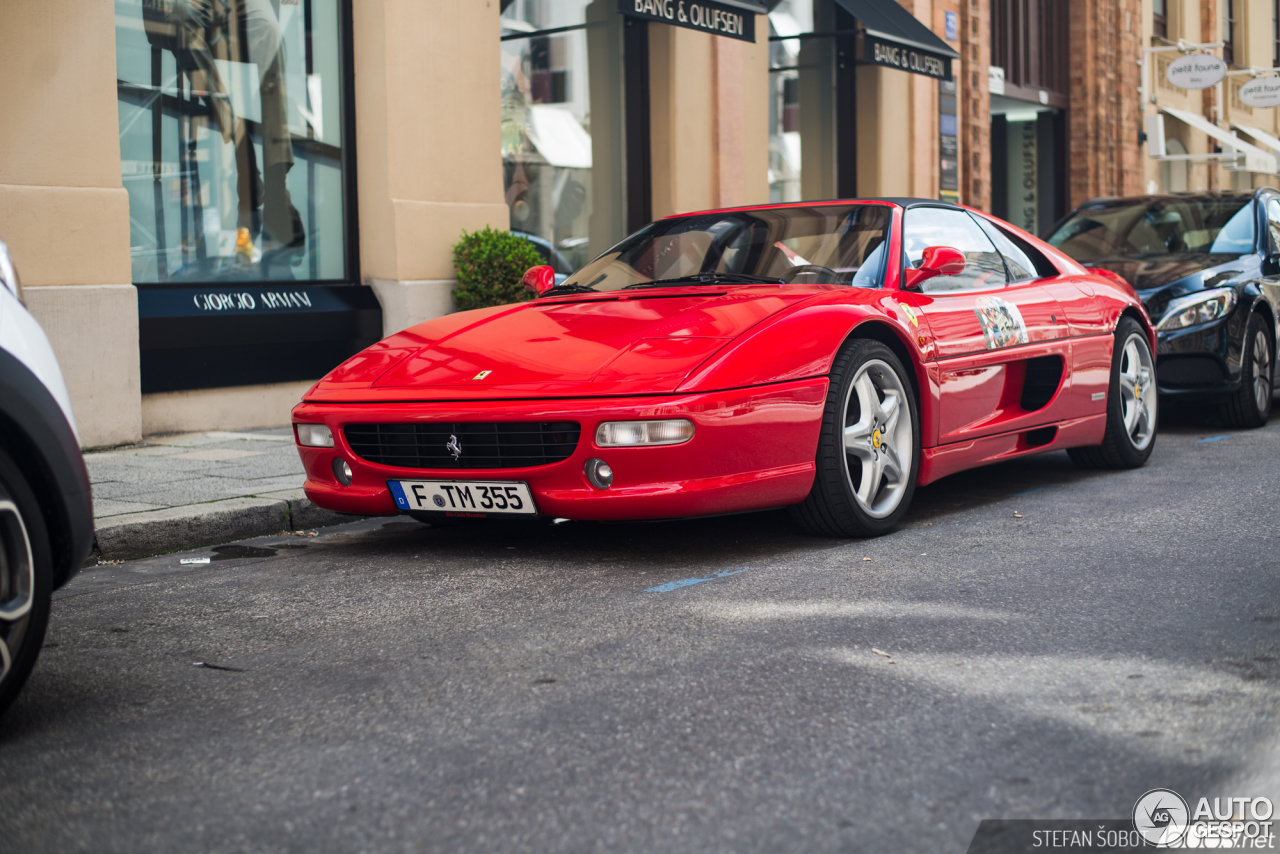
(1001, 344)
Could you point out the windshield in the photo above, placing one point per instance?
(838, 244)
(1158, 228)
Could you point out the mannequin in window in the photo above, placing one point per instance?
(201, 31)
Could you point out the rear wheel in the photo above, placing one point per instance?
(869, 449)
(1251, 406)
(1132, 405)
(25, 580)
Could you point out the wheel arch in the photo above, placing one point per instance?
(1138, 315)
(40, 442)
(886, 335)
(1263, 308)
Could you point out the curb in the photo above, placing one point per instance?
(153, 532)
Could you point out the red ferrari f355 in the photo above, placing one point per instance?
(824, 356)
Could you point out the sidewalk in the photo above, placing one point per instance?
(196, 489)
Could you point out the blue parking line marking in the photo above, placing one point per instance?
(401, 501)
(685, 582)
(1034, 489)
(1215, 438)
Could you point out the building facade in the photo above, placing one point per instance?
(213, 203)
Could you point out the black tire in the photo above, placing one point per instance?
(1126, 446)
(833, 507)
(26, 580)
(1250, 407)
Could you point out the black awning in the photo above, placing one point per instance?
(892, 36)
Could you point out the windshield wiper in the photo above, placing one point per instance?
(710, 277)
(568, 289)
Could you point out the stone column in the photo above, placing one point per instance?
(63, 209)
(428, 145)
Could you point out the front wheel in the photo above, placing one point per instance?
(869, 448)
(1132, 405)
(25, 580)
(1250, 407)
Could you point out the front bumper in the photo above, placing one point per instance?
(1202, 361)
(752, 449)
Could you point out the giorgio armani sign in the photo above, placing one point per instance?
(735, 19)
(211, 336)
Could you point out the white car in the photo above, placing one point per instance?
(46, 508)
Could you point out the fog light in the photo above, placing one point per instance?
(342, 471)
(619, 434)
(599, 473)
(314, 435)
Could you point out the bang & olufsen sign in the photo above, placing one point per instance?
(721, 19)
(876, 51)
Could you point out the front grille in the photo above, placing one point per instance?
(493, 445)
(1189, 371)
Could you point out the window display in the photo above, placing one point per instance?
(231, 139)
(562, 125)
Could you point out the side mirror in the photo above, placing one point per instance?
(937, 261)
(538, 280)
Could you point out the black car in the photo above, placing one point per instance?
(1207, 267)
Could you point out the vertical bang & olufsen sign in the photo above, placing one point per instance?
(732, 20)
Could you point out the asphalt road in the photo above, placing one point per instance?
(1059, 642)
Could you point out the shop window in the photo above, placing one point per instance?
(1229, 31)
(232, 139)
(1275, 33)
(811, 101)
(563, 65)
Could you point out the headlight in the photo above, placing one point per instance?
(8, 275)
(1197, 308)
(631, 433)
(314, 435)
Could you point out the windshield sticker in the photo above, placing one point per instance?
(1002, 324)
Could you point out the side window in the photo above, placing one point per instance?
(1273, 223)
(925, 227)
(1024, 261)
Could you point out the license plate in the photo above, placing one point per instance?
(469, 497)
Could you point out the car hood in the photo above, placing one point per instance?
(637, 342)
(1159, 279)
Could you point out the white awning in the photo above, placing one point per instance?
(559, 137)
(1261, 136)
(1256, 160)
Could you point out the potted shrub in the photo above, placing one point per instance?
(490, 264)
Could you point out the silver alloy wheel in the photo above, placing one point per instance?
(877, 439)
(1138, 393)
(1261, 370)
(17, 580)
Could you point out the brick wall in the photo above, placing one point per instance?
(1103, 119)
(974, 104)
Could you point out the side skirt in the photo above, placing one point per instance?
(940, 461)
